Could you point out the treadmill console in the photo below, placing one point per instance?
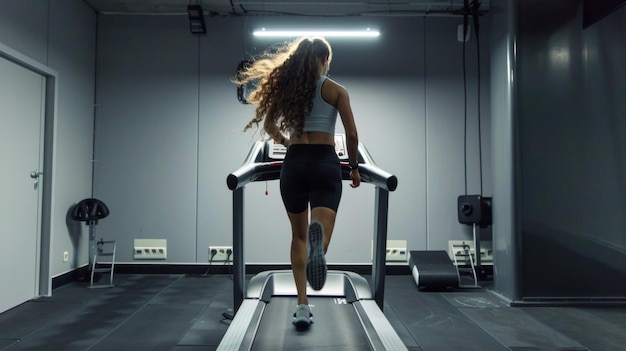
(278, 151)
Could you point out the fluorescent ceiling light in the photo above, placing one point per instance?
(367, 33)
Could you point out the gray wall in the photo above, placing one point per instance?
(558, 101)
(572, 151)
(61, 35)
(168, 131)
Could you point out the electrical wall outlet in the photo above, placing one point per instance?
(397, 251)
(150, 249)
(220, 253)
(459, 249)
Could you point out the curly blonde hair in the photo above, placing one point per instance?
(287, 78)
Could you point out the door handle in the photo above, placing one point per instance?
(35, 176)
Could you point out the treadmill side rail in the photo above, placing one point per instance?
(379, 331)
(240, 333)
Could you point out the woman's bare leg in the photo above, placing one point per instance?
(299, 227)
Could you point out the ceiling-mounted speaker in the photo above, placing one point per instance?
(196, 19)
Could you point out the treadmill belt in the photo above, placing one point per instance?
(336, 326)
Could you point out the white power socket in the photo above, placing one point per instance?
(150, 249)
(397, 251)
(220, 253)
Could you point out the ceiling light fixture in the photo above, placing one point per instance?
(367, 33)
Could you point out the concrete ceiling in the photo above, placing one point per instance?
(297, 7)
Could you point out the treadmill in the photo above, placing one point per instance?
(347, 312)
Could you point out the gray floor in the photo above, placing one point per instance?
(177, 312)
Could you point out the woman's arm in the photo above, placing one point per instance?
(338, 96)
(274, 133)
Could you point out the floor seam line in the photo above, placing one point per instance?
(134, 313)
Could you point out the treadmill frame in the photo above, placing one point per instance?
(367, 300)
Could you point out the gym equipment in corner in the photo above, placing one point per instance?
(90, 211)
(435, 270)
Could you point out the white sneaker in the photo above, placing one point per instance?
(302, 317)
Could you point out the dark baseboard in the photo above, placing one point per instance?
(79, 274)
(250, 269)
(82, 273)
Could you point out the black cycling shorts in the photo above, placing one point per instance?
(311, 173)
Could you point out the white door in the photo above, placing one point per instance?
(22, 94)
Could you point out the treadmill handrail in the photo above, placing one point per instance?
(249, 173)
(252, 170)
(241, 176)
(373, 174)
